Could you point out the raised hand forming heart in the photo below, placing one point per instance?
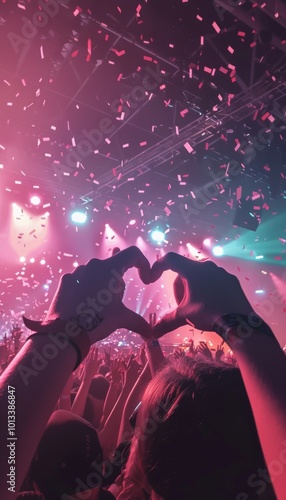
(91, 298)
(203, 291)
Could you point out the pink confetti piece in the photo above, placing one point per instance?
(119, 53)
(77, 11)
(237, 145)
(184, 112)
(89, 45)
(188, 147)
(238, 193)
(216, 27)
(265, 116)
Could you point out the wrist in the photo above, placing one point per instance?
(237, 328)
(115, 383)
(152, 343)
(62, 337)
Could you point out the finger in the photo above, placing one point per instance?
(131, 357)
(174, 262)
(131, 257)
(168, 323)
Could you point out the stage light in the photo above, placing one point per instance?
(259, 291)
(79, 217)
(157, 236)
(42, 262)
(32, 260)
(35, 200)
(259, 257)
(22, 259)
(157, 231)
(218, 250)
(207, 242)
(132, 222)
(75, 264)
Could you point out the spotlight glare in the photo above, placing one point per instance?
(79, 217)
(22, 259)
(218, 250)
(132, 222)
(157, 236)
(207, 242)
(259, 291)
(259, 257)
(35, 200)
(75, 264)
(32, 260)
(42, 262)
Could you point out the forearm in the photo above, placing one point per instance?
(64, 402)
(263, 367)
(78, 405)
(109, 434)
(133, 399)
(38, 382)
(110, 401)
(155, 355)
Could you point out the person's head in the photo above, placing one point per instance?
(68, 460)
(95, 400)
(196, 436)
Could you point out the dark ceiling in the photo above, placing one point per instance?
(149, 80)
(161, 109)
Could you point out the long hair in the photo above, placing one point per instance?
(195, 437)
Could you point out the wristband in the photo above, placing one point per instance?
(80, 343)
(152, 343)
(241, 326)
